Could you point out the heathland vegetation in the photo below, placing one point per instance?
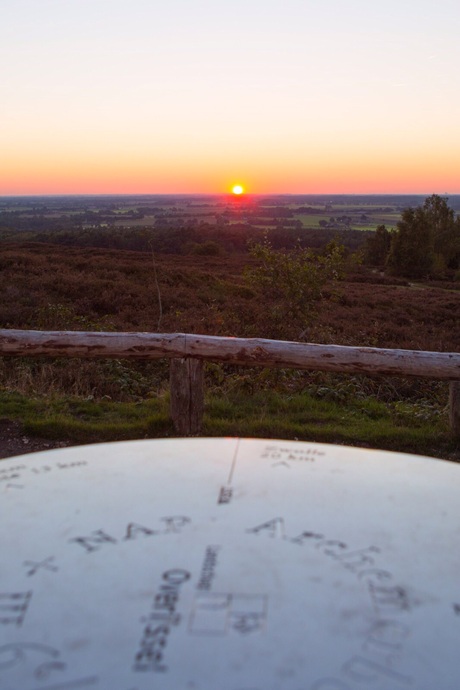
(273, 268)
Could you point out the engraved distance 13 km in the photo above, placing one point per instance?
(17, 471)
(160, 621)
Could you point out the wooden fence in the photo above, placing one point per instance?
(187, 353)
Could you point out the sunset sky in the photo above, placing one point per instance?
(194, 96)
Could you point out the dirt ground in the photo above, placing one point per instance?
(13, 441)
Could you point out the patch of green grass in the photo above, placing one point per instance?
(15, 405)
(311, 219)
(87, 421)
(366, 422)
(362, 422)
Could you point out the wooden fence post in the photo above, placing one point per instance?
(454, 408)
(187, 395)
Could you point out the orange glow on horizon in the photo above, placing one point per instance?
(25, 172)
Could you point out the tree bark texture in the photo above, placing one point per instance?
(186, 379)
(241, 351)
(454, 408)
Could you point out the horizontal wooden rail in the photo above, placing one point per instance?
(185, 349)
(240, 351)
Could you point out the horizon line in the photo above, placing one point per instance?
(219, 194)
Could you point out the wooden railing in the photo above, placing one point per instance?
(188, 352)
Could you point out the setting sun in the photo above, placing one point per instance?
(237, 189)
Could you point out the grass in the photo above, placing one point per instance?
(306, 418)
(86, 421)
(300, 416)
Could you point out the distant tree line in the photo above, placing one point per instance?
(181, 238)
(425, 242)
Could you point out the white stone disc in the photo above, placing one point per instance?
(229, 564)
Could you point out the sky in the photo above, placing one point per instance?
(194, 96)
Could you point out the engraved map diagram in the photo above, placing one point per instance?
(237, 564)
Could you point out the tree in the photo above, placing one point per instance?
(426, 241)
(411, 253)
(378, 246)
(446, 231)
(293, 280)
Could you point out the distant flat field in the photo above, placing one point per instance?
(180, 210)
(388, 217)
(134, 222)
(310, 219)
(372, 221)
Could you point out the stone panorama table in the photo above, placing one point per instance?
(229, 564)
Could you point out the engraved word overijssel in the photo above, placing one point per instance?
(160, 622)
